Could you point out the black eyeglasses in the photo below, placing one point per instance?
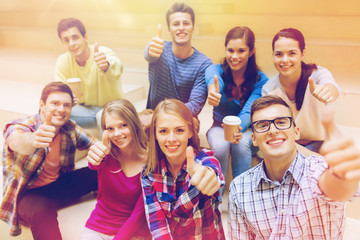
(281, 123)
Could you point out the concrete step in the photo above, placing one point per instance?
(24, 97)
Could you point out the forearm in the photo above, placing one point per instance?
(337, 188)
(22, 142)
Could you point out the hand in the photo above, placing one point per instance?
(100, 58)
(339, 151)
(237, 135)
(156, 46)
(45, 134)
(76, 100)
(214, 96)
(322, 92)
(203, 178)
(99, 150)
(145, 120)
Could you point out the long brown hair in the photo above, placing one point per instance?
(179, 109)
(251, 73)
(306, 69)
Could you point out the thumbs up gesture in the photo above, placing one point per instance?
(45, 134)
(324, 93)
(214, 96)
(99, 150)
(156, 46)
(203, 178)
(339, 151)
(100, 58)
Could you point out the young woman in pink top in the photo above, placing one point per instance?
(119, 159)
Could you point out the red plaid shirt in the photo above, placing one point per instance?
(177, 210)
(20, 171)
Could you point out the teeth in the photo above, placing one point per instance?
(171, 147)
(275, 141)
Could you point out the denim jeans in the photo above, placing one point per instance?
(240, 153)
(86, 116)
(37, 208)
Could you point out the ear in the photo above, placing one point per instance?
(297, 133)
(254, 140)
(42, 104)
(252, 52)
(86, 37)
(303, 55)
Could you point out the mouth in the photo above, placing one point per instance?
(181, 35)
(119, 140)
(172, 148)
(275, 142)
(285, 67)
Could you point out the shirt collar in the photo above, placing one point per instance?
(296, 169)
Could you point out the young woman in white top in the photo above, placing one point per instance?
(305, 87)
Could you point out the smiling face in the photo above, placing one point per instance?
(172, 135)
(276, 145)
(59, 105)
(287, 57)
(119, 131)
(74, 42)
(181, 28)
(237, 54)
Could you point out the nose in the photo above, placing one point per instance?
(272, 128)
(285, 58)
(171, 136)
(71, 42)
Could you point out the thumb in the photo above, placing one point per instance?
(48, 118)
(96, 47)
(105, 138)
(159, 30)
(331, 131)
(216, 81)
(312, 84)
(190, 160)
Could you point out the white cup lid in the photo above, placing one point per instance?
(231, 120)
(73, 80)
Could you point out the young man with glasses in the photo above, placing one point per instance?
(289, 195)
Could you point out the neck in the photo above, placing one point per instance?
(81, 59)
(182, 51)
(238, 76)
(276, 168)
(174, 167)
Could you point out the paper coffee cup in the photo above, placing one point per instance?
(231, 126)
(75, 85)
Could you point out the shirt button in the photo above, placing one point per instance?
(282, 188)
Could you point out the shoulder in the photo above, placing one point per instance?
(271, 84)
(215, 68)
(199, 56)
(263, 78)
(245, 182)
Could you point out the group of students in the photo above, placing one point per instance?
(159, 183)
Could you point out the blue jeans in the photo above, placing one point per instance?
(240, 153)
(86, 116)
(37, 208)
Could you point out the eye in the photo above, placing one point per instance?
(162, 131)
(67, 105)
(278, 54)
(180, 130)
(262, 124)
(109, 129)
(124, 125)
(282, 121)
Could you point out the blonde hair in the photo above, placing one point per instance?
(122, 108)
(179, 109)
